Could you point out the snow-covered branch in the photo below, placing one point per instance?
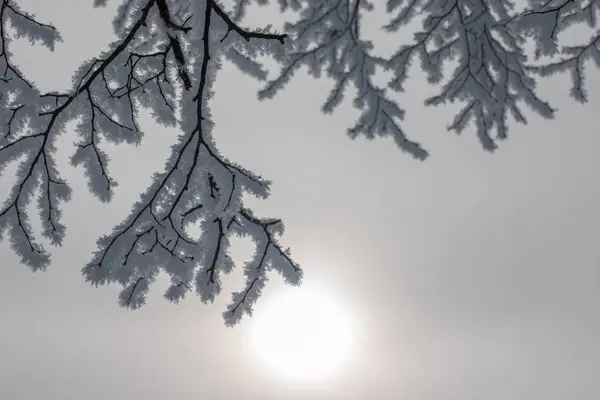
(154, 63)
(493, 78)
(42, 118)
(327, 39)
(198, 186)
(165, 58)
(546, 22)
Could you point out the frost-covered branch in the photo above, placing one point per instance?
(474, 50)
(199, 186)
(43, 118)
(24, 136)
(165, 58)
(328, 39)
(490, 78)
(546, 23)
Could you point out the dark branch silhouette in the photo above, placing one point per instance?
(165, 59)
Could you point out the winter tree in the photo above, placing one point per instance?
(166, 57)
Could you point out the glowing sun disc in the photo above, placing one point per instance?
(302, 334)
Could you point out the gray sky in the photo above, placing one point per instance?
(473, 276)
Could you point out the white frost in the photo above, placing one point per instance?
(166, 57)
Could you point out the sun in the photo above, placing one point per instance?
(303, 334)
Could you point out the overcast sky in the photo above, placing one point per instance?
(473, 276)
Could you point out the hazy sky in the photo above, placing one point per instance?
(472, 276)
